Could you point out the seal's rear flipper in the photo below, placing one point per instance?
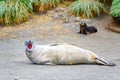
(103, 62)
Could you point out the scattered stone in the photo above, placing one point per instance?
(61, 14)
(77, 19)
(65, 18)
(60, 9)
(74, 19)
(56, 16)
(16, 78)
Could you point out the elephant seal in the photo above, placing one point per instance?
(64, 54)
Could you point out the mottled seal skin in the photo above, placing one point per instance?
(61, 54)
(84, 29)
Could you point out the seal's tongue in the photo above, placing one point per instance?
(29, 46)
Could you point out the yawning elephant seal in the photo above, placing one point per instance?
(61, 54)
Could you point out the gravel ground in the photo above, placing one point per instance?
(14, 65)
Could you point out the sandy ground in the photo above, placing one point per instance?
(14, 65)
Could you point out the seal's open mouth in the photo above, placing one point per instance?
(29, 46)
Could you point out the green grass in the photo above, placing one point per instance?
(17, 11)
(86, 8)
(115, 8)
(14, 11)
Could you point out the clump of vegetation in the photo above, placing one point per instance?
(42, 5)
(103, 1)
(35, 5)
(69, 0)
(14, 11)
(86, 8)
(115, 8)
(17, 11)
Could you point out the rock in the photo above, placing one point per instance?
(61, 14)
(56, 16)
(65, 18)
(74, 19)
(60, 9)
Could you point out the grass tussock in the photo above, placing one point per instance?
(14, 11)
(42, 5)
(86, 8)
(115, 8)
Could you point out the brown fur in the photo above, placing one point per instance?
(84, 29)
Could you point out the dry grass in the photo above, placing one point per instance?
(42, 32)
(51, 31)
(65, 4)
(9, 31)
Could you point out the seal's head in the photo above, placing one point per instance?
(82, 23)
(29, 45)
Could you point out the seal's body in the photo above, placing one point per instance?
(84, 29)
(62, 54)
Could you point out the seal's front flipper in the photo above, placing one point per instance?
(49, 63)
(55, 44)
(103, 62)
